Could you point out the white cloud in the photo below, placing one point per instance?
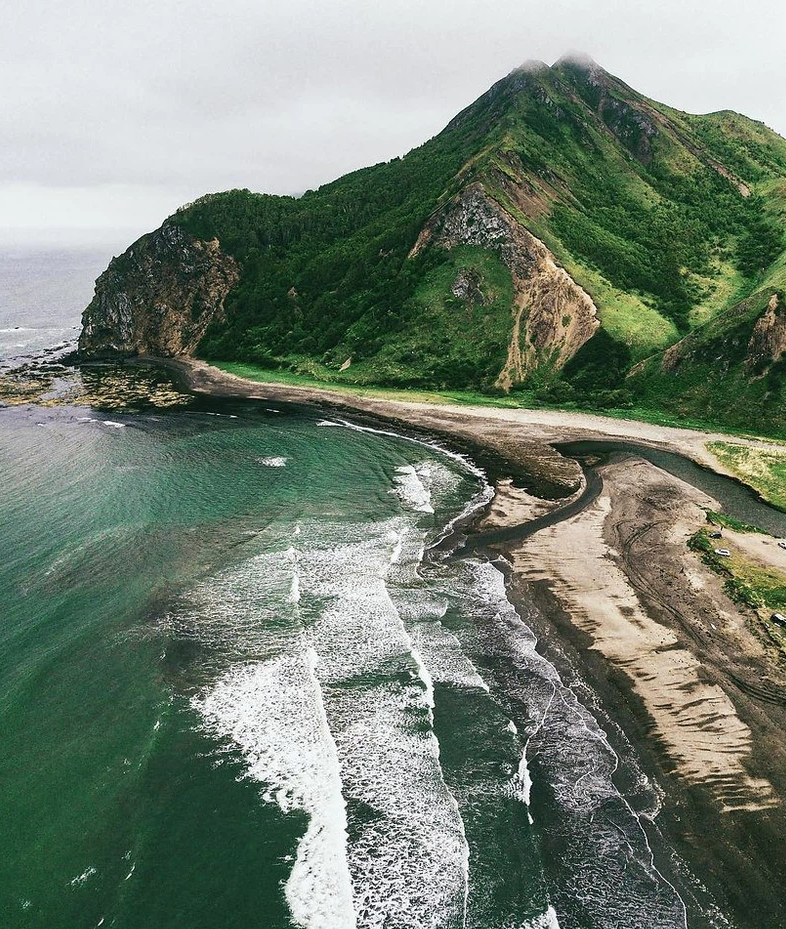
(115, 112)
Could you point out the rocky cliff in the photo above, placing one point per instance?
(551, 316)
(564, 236)
(767, 344)
(158, 297)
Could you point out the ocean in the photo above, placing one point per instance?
(43, 291)
(242, 686)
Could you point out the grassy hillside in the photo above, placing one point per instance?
(627, 195)
(672, 223)
(730, 370)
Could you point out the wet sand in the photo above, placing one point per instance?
(674, 661)
(589, 562)
(678, 667)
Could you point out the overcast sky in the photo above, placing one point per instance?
(114, 113)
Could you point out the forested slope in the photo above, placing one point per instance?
(559, 235)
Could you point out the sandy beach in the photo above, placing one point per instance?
(497, 426)
(676, 664)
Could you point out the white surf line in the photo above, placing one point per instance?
(425, 677)
(411, 490)
(273, 712)
(441, 651)
(578, 711)
(413, 565)
(604, 741)
(347, 917)
(294, 590)
(481, 499)
(591, 703)
(523, 774)
(397, 548)
(84, 876)
(410, 863)
(602, 737)
(416, 627)
(546, 920)
(520, 783)
(428, 682)
(426, 443)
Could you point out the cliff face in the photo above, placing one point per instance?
(551, 316)
(767, 343)
(560, 231)
(159, 297)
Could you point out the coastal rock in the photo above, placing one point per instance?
(158, 297)
(552, 317)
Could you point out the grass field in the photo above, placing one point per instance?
(761, 589)
(763, 469)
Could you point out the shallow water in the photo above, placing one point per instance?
(193, 598)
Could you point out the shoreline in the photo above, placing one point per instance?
(542, 425)
(671, 659)
(689, 698)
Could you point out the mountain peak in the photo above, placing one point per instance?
(580, 60)
(532, 66)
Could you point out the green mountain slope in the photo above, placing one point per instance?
(558, 232)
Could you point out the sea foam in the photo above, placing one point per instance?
(546, 920)
(408, 861)
(411, 490)
(336, 719)
(600, 833)
(273, 713)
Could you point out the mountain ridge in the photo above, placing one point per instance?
(463, 264)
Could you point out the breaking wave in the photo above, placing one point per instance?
(342, 652)
(273, 713)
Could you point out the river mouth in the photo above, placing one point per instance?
(736, 499)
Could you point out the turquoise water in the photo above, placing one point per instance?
(237, 691)
(238, 688)
(205, 681)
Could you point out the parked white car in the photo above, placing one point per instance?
(723, 551)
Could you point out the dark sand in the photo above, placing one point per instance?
(699, 694)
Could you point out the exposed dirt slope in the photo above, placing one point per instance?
(552, 317)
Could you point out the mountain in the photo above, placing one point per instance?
(564, 234)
